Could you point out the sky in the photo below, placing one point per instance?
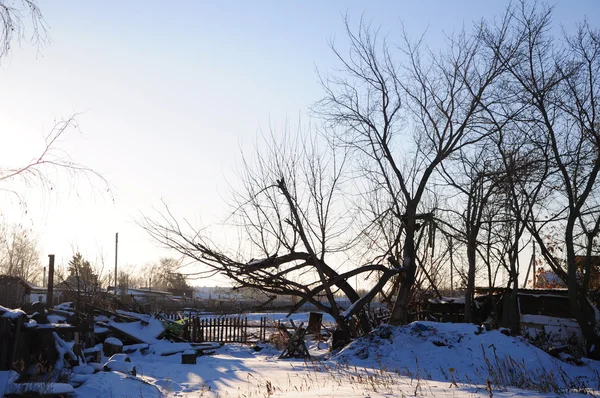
(167, 95)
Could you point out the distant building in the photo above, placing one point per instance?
(77, 284)
(547, 279)
(16, 292)
(185, 293)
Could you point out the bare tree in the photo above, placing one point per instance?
(475, 176)
(405, 117)
(167, 274)
(290, 214)
(13, 26)
(50, 162)
(557, 84)
(19, 255)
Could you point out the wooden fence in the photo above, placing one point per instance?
(228, 330)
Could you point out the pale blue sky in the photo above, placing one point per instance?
(171, 90)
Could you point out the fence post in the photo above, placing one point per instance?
(5, 326)
(17, 341)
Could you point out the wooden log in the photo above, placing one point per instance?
(188, 357)
(112, 346)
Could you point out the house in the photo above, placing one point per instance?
(185, 293)
(152, 300)
(77, 284)
(546, 279)
(16, 292)
(75, 289)
(38, 294)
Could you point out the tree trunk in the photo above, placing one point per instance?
(399, 314)
(511, 318)
(580, 308)
(471, 256)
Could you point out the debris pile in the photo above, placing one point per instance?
(53, 351)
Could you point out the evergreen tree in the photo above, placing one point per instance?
(80, 267)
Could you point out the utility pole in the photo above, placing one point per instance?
(531, 264)
(533, 260)
(116, 257)
(50, 294)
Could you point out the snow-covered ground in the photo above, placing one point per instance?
(422, 359)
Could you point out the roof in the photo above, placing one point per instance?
(75, 283)
(9, 279)
(148, 292)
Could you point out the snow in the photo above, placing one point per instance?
(117, 384)
(11, 314)
(121, 366)
(119, 358)
(447, 300)
(101, 329)
(561, 327)
(167, 348)
(146, 331)
(7, 378)
(53, 318)
(423, 359)
(40, 388)
(66, 306)
(134, 347)
(114, 341)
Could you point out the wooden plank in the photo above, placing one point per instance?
(5, 326)
(17, 340)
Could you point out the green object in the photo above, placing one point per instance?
(175, 328)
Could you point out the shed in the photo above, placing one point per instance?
(14, 291)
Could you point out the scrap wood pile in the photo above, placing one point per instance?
(53, 351)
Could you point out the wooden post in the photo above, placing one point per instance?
(17, 341)
(5, 326)
(315, 320)
(91, 340)
(116, 257)
(50, 293)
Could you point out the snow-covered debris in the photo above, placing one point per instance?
(56, 319)
(10, 313)
(146, 331)
(121, 366)
(128, 349)
(114, 341)
(168, 348)
(64, 350)
(120, 358)
(560, 328)
(66, 306)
